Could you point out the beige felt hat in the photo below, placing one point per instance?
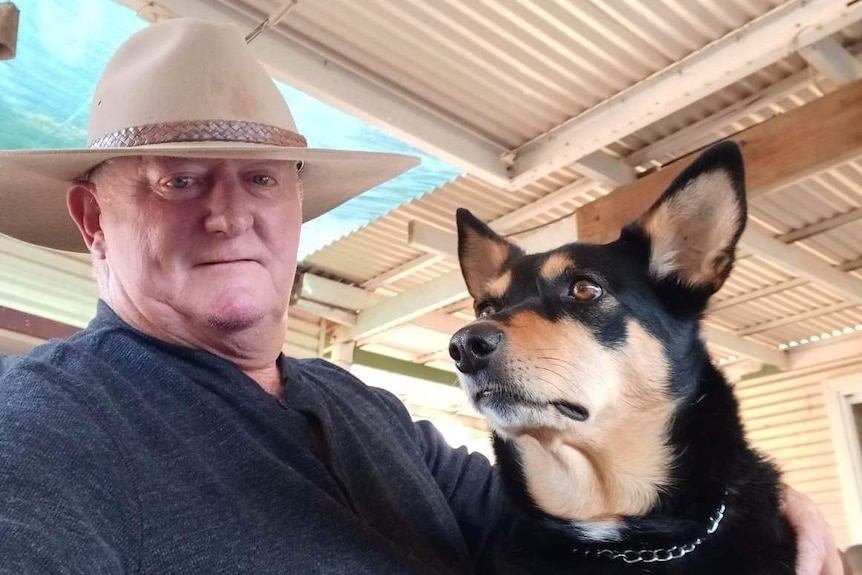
(182, 88)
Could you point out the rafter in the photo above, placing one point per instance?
(606, 169)
(744, 51)
(757, 294)
(443, 243)
(802, 264)
(745, 347)
(822, 226)
(777, 152)
(831, 59)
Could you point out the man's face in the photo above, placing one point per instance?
(206, 241)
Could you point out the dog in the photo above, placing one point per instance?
(618, 441)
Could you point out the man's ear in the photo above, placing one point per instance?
(482, 253)
(84, 209)
(693, 228)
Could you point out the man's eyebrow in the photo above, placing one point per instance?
(166, 162)
(266, 163)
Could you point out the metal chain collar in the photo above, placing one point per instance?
(658, 555)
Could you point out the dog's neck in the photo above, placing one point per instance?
(646, 476)
(620, 474)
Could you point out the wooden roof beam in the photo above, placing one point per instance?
(778, 152)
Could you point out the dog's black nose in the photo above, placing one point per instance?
(472, 347)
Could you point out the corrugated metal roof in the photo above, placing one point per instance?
(382, 245)
(511, 70)
(791, 72)
(769, 92)
(789, 309)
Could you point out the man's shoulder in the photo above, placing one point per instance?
(57, 365)
(15, 368)
(47, 357)
(40, 388)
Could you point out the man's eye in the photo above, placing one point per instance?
(263, 180)
(179, 182)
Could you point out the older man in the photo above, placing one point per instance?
(171, 436)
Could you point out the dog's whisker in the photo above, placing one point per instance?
(559, 375)
(557, 386)
(558, 360)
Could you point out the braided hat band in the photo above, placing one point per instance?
(200, 131)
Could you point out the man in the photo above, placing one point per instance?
(171, 436)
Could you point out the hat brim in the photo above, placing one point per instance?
(33, 183)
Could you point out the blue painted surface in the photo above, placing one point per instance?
(63, 45)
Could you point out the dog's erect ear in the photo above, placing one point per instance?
(694, 226)
(482, 253)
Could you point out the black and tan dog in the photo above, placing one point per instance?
(611, 426)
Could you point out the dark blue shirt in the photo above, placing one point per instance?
(120, 453)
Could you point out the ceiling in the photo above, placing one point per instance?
(548, 107)
(766, 307)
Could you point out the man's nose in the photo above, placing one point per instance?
(228, 208)
(472, 347)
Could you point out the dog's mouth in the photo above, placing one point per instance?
(572, 410)
(503, 400)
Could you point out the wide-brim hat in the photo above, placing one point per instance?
(180, 88)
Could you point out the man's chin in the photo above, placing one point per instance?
(233, 307)
(232, 322)
(236, 315)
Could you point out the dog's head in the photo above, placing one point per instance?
(577, 344)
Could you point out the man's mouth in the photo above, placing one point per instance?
(226, 262)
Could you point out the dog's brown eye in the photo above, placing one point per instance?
(486, 309)
(585, 290)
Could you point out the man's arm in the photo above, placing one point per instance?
(66, 503)
(473, 490)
